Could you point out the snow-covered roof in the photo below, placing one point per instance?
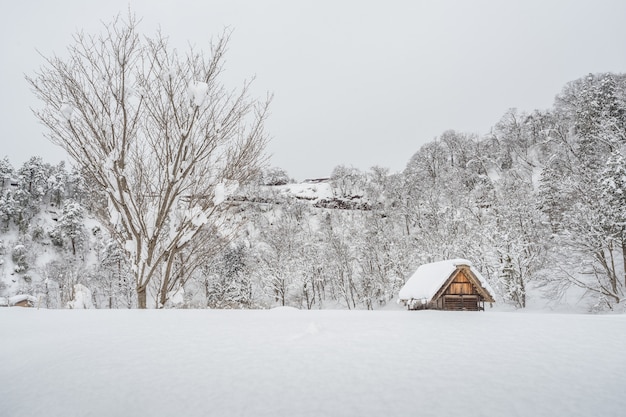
(429, 278)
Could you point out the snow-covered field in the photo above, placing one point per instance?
(285, 362)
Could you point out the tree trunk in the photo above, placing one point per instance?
(624, 254)
(141, 297)
(522, 292)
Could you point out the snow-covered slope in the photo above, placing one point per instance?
(286, 362)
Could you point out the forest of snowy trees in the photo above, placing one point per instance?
(538, 205)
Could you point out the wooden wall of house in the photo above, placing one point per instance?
(461, 294)
(460, 302)
(461, 285)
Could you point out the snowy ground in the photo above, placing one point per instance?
(285, 362)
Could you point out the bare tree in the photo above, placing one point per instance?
(162, 138)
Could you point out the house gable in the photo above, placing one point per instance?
(464, 282)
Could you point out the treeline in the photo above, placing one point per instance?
(538, 204)
(50, 246)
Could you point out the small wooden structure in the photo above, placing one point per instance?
(447, 285)
(21, 300)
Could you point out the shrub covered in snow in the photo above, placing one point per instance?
(19, 257)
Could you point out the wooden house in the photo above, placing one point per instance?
(22, 300)
(447, 285)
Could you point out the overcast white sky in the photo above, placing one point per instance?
(359, 83)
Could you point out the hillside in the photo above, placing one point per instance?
(537, 205)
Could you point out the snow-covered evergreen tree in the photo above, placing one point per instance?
(71, 224)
